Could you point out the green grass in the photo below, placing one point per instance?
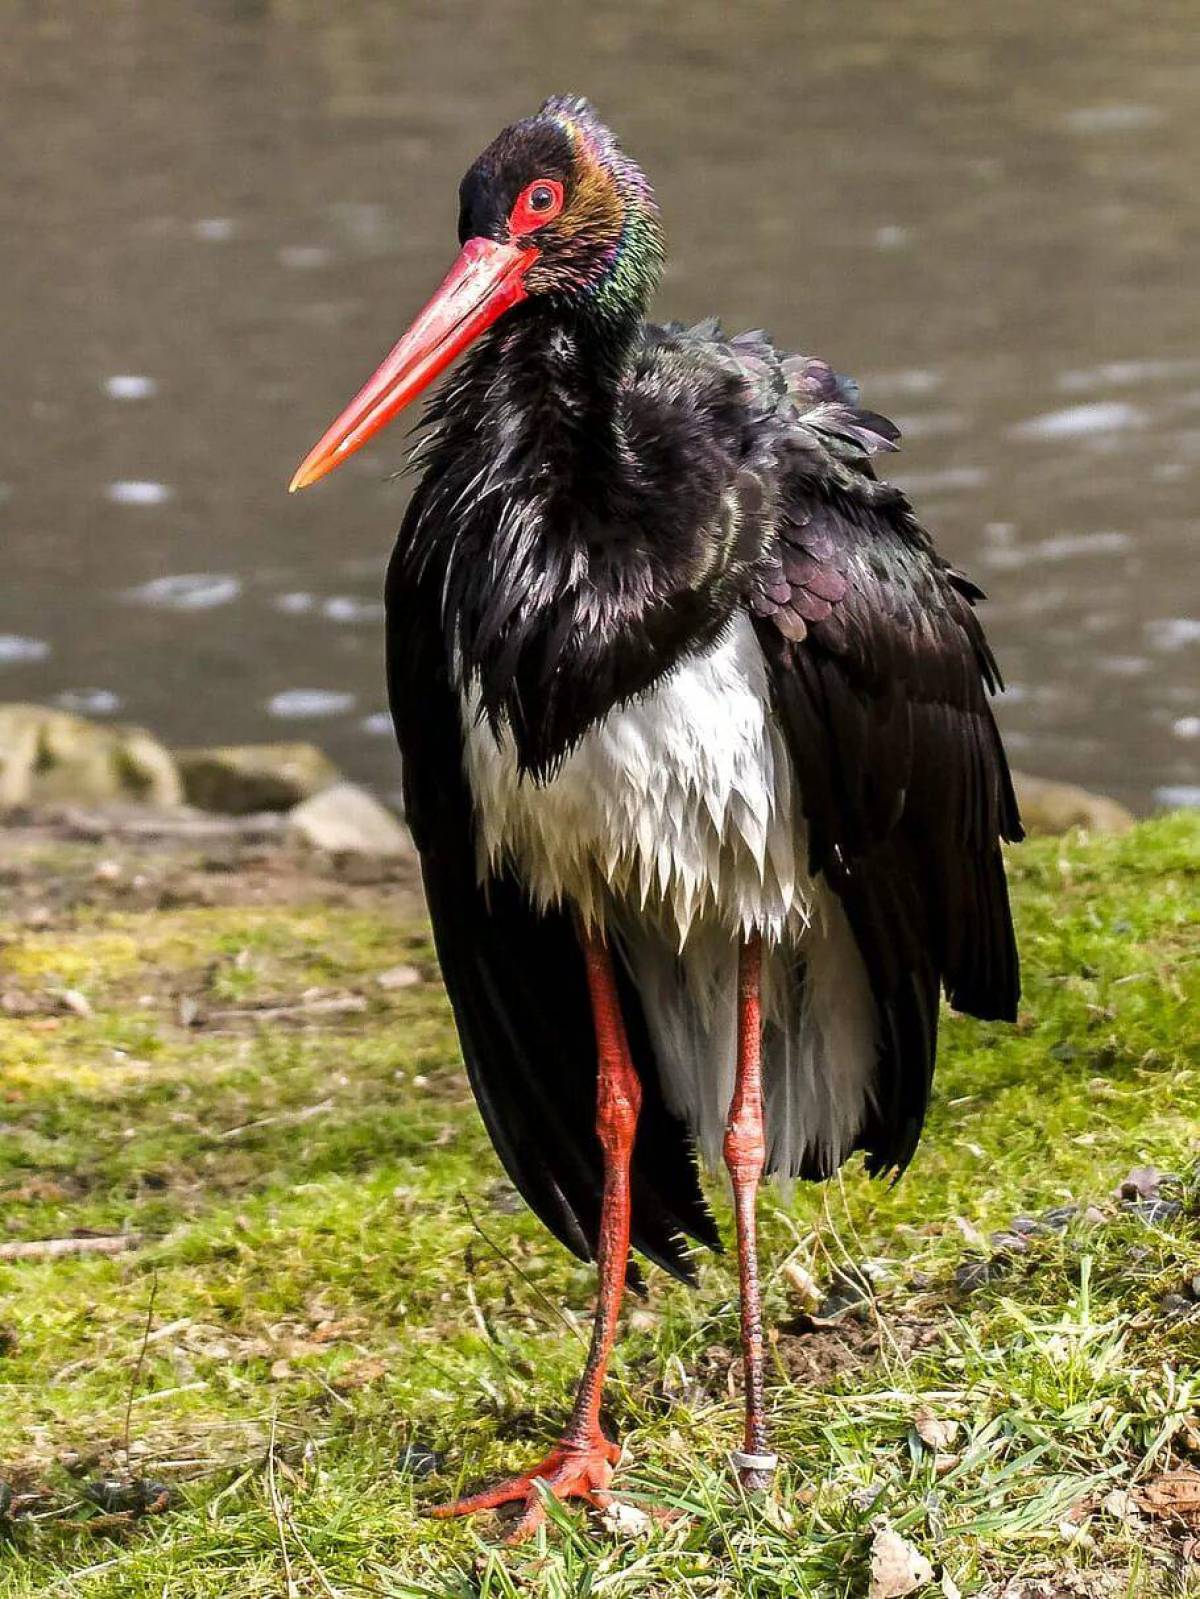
(338, 1269)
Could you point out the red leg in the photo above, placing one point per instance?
(580, 1466)
(745, 1156)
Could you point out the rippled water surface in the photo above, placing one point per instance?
(218, 215)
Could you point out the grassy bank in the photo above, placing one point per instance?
(338, 1313)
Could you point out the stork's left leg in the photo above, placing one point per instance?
(580, 1465)
(745, 1156)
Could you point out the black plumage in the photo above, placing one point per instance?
(599, 498)
(879, 672)
(698, 752)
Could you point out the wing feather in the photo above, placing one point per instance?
(880, 674)
(516, 981)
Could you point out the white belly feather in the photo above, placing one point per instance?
(680, 802)
(674, 822)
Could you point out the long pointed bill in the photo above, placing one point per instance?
(485, 281)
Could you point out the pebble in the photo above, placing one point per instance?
(399, 977)
(417, 1460)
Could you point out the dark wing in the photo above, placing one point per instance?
(516, 979)
(880, 673)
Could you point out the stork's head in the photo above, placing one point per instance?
(554, 215)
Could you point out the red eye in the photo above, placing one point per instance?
(539, 202)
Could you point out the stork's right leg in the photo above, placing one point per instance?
(581, 1464)
(745, 1156)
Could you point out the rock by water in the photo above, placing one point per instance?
(48, 756)
(346, 820)
(1050, 807)
(242, 779)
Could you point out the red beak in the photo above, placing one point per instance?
(485, 281)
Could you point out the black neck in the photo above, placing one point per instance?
(573, 546)
(543, 393)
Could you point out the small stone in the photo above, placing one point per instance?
(1175, 1305)
(503, 1197)
(345, 819)
(973, 1274)
(416, 1460)
(624, 1521)
(897, 1568)
(849, 1295)
(1049, 807)
(399, 977)
(1118, 1504)
(108, 872)
(78, 1004)
(244, 779)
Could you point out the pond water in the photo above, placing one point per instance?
(218, 215)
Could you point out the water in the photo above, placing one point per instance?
(218, 215)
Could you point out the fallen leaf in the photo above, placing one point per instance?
(329, 1332)
(1174, 1494)
(950, 1588)
(358, 1374)
(1074, 1530)
(1118, 1504)
(932, 1430)
(897, 1568)
(1143, 1182)
(969, 1231)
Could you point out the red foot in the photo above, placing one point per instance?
(569, 1471)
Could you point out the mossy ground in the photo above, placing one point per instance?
(339, 1275)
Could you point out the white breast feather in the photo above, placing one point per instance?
(674, 822)
(680, 802)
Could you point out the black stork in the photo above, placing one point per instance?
(697, 747)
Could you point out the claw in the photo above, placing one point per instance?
(570, 1471)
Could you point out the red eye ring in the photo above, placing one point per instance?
(539, 202)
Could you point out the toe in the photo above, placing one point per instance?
(504, 1493)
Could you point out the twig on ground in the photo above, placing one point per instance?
(290, 1586)
(52, 1248)
(285, 1118)
(543, 1299)
(139, 1363)
(323, 1581)
(331, 1005)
